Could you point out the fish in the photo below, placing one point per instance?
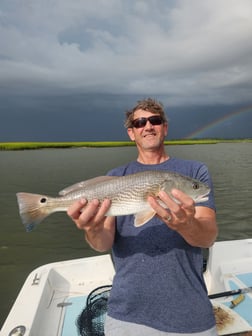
(128, 195)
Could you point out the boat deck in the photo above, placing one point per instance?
(72, 312)
(230, 268)
(54, 295)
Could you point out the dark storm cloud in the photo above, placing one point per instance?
(189, 53)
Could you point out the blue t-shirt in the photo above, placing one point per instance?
(159, 280)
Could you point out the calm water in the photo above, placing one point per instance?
(48, 171)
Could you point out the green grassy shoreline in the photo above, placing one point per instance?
(97, 144)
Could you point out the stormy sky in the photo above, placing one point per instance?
(69, 69)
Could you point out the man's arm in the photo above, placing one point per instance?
(196, 224)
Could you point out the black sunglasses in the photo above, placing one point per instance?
(141, 122)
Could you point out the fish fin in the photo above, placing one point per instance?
(32, 209)
(143, 217)
(86, 183)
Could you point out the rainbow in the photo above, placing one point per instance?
(230, 117)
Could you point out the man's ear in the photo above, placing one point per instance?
(166, 128)
(131, 134)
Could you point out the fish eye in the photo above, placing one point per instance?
(195, 185)
(43, 200)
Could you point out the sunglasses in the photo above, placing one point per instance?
(141, 122)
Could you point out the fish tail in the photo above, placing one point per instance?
(33, 208)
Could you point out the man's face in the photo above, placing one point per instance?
(149, 136)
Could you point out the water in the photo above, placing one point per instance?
(48, 171)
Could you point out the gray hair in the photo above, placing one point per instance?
(150, 105)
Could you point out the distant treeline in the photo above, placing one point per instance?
(41, 145)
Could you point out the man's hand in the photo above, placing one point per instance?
(90, 217)
(175, 215)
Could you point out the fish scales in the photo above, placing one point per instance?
(132, 196)
(128, 195)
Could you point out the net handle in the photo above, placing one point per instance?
(90, 297)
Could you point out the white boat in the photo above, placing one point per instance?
(54, 295)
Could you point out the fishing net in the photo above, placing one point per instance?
(91, 320)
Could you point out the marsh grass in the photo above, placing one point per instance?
(41, 145)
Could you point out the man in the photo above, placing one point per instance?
(158, 288)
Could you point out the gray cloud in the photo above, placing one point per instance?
(191, 51)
